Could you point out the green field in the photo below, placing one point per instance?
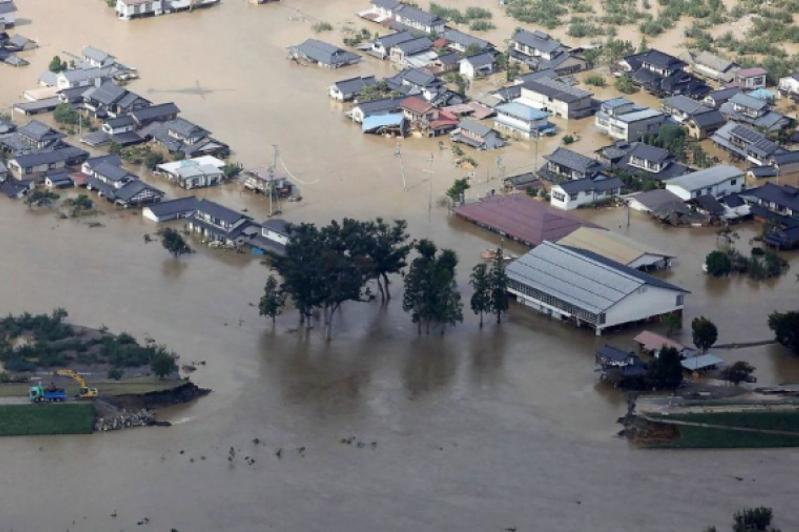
(704, 437)
(45, 419)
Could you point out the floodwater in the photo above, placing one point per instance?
(479, 430)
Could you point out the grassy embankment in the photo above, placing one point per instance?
(705, 437)
(46, 419)
(137, 385)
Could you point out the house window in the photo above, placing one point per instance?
(559, 196)
(680, 299)
(732, 183)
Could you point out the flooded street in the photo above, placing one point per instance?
(479, 430)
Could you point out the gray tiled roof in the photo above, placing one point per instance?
(571, 159)
(556, 90)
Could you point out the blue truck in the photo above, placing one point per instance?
(40, 394)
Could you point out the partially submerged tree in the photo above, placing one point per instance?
(498, 280)
(673, 322)
(704, 333)
(786, 328)
(163, 363)
(56, 65)
(738, 372)
(481, 298)
(753, 519)
(665, 372)
(173, 242)
(458, 190)
(273, 300)
(431, 292)
(718, 263)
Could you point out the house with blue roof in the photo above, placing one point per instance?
(517, 120)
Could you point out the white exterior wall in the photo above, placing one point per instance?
(717, 191)
(569, 203)
(8, 19)
(644, 303)
(539, 101)
(789, 85)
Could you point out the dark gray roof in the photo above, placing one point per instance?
(38, 131)
(112, 172)
(782, 195)
(760, 172)
(707, 119)
(172, 208)
(481, 60)
(378, 106)
(108, 159)
(556, 90)
(466, 40)
(326, 53)
(66, 154)
(744, 100)
(277, 225)
(598, 184)
(120, 121)
(416, 46)
(661, 60)
(393, 39)
(155, 112)
(355, 85)
(684, 104)
(475, 127)
(608, 353)
(107, 94)
(571, 159)
(220, 212)
(130, 189)
(387, 4)
(418, 15)
(416, 76)
(7, 7)
(537, 40)
(722, 95)
(657, 199)
(650, 153)
(185, 129)
(785, 157)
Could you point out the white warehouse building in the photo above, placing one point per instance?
(717, 181)
(574, 284)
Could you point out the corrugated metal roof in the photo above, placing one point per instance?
(609, 244)
(575, 278)
(705, 178)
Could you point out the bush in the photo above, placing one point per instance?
(568, 139)
(320, 27)
(66, 114)
(481, 25)
(625, 84)
(786, 329)
(718, 264)
(163, 363)
(115, 373)
(596, 80)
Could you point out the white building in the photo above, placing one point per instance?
(556, 97)
(477, 66)
(592, 290)
(717, 181)
(578, 193)
(205, 171)
(520, 121)
(128, 9)
(630, 126)
(789, 85)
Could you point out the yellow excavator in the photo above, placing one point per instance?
(84, 392)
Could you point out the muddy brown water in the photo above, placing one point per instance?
(475, 430)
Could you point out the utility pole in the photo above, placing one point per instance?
(398, 154)
(429, 171)
(501, 168)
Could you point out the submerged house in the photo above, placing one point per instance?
(713, 67)
(746, 143)
(641, 160)
(109, 99)
(272, 237)
(205, 171)
(8, 13)
(564, 164)
(349, 89)
(217, 223)
(622, 119)
(751, 78)
(520, 121)
(557, 97)
(618, 247)
(36, 164)
(757, 113)
(414, 18)
(324, 54)
(382, 106)
(162, 112)
(477, 135)
(588, 289)
(478, 66)
(382, 46)
(717, 181)
(531, 47)
(699, 119)
(663, 75)
(175, 209)
(577, 193)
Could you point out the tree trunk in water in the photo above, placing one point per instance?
(419, 327)
(499, 318)
(382, 292)
(385, 282)
(481, 320)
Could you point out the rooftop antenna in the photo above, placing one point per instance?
(398, 154)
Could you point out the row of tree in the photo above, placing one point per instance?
(324, 267)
